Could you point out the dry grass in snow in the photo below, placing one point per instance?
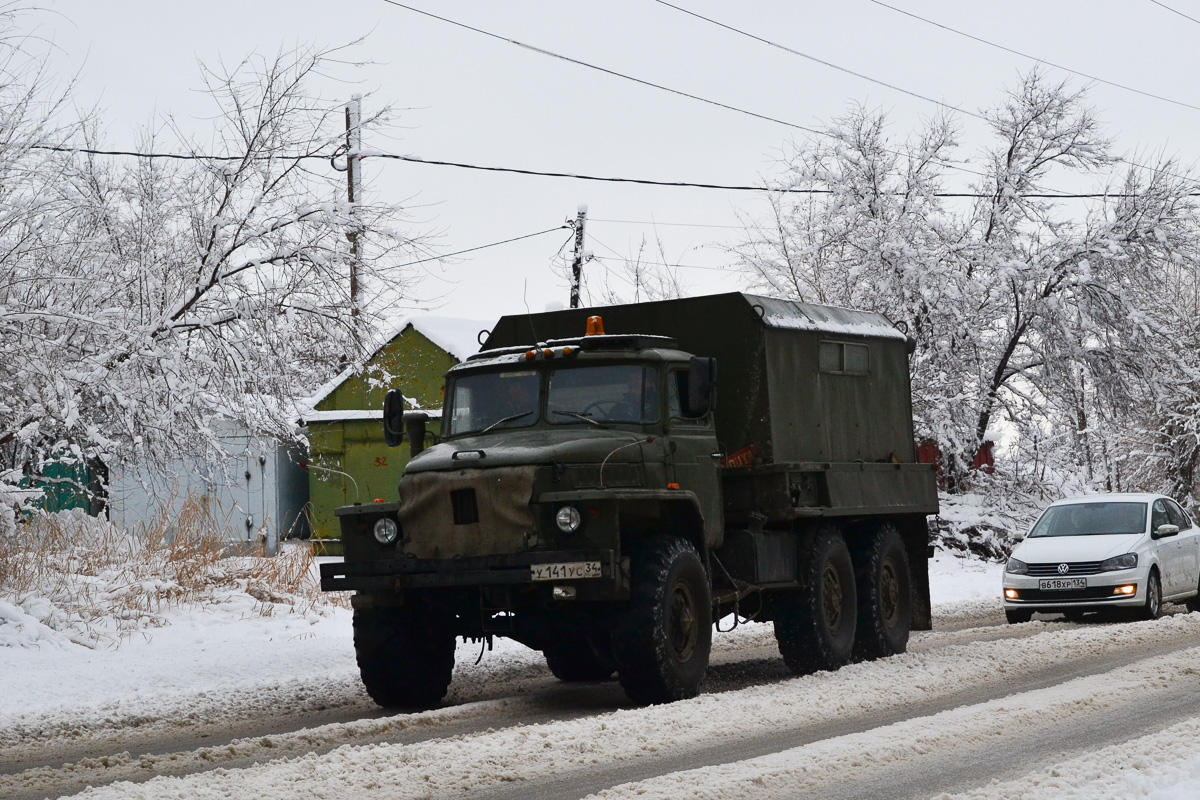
(71, 577)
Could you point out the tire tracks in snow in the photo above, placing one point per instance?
(605, 749)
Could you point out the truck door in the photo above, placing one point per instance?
(693, 456)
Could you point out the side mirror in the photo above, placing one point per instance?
(393, 418)
(414, 428)
(1165, 530)
(702, 386)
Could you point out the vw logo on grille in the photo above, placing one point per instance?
(1063, 569)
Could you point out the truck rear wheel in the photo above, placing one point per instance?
(661, 640)
(815, 625)
(585, 657)
(884, 596)
(405, 655)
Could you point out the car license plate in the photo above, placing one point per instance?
(1058, 584)
(565, 572)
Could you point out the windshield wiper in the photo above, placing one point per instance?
(579, 415)
(510, 418)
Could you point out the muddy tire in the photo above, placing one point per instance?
(405, 655)
(587, 657)
(815, 625)
(1153, 607)
(884, 585)
(1016, 616)
(661, 640)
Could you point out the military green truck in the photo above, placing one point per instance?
(590, 498)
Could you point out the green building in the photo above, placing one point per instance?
(348, 461)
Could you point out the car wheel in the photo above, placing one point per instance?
(1016, 616)
(662, 639)
(814, 626)
(1153, 607)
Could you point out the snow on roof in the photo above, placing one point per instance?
(830, 319)
(1108, 497)
(458, 337)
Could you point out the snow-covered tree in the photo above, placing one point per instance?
(1032, 313)
(143, 298)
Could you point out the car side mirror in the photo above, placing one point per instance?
(1165, 530)
(393, 418)
(702, 387)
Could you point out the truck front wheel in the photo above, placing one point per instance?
(405, 655)
(661, 640)
(884, 596)
(815, 625)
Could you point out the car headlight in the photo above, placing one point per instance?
(1127, 561)
(567, 519)
(386, 530)
(1017, 567)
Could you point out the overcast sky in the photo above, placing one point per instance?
(469, 98)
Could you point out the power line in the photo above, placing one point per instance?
(667, 224)
(571, 175)
(484, 246)
(821, 61)
(643, 82)
(1114, 84)
(662, 264)
(582, 177)
(1175, 11)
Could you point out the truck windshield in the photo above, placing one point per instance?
(1091, 519)
(612, 393)
(493, 399)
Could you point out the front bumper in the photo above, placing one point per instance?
(1100, 592)
(392, 575)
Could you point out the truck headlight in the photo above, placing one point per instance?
(567, 519)
(386, 530)
(1127, 561)
(1017, 567)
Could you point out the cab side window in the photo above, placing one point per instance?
(1158, 515)
(1178, 516)
(676, 387)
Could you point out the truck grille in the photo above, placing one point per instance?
(466, 512)
(1073, 568)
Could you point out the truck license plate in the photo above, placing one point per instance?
(1058, 584)
(565, 572)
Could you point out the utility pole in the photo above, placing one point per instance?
(354, 195)
(577, 263)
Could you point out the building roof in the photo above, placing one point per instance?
(458, 337)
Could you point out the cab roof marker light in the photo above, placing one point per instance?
(548, 353)
(595, 326)
(530, 355)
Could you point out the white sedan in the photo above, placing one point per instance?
(1125, 551)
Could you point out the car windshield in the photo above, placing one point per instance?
(611, 393)
(1091, 519)
(493, 399)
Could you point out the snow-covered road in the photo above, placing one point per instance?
(973, 703)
